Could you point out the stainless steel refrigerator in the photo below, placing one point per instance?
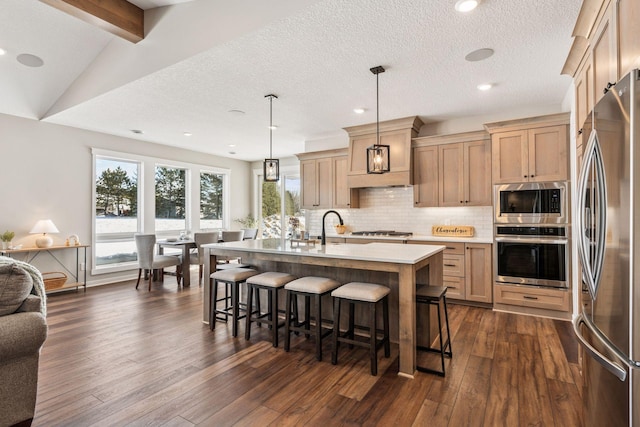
(608, 230)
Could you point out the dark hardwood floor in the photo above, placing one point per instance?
(116, 356)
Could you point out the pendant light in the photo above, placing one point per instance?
(378, 154)
(271, 166)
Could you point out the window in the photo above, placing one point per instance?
(279, 197)
(138, 194)
(171, 204)
(116, 210)
(211, 200)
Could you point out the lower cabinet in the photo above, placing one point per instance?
(529, 296)
(467, 270)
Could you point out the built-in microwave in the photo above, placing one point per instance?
(531, 203)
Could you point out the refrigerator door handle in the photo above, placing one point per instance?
(609, 365)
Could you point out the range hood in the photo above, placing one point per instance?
(397, 134)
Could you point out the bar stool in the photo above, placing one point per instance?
(232, 277)
(310, 286)
(435, 295)
(227, 289)
(365, 293)
(272, 282)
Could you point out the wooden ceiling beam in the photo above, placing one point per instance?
(119, 17)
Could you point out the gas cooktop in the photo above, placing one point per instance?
(388, 233)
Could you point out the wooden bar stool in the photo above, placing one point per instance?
(233, 278)
(227, 287)
(363, 293)
(435, 295)
(272, 282)
(309, 287)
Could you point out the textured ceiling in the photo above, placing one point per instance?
(203, 58)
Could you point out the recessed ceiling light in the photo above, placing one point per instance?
(232, 145)
(479, 55)
(274, 127)
(485, 86)
(30, 60)
(2, 51)
(187, 134)
(138, 131)
(358, 110)
(466, 5)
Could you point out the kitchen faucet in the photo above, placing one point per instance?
(323, 242)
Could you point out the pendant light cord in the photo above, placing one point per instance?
(377, 111)
(271, 126)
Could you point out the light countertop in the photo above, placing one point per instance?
(419, 238)
(377, 252)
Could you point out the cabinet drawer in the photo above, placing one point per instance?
(455, 286)
(550, 299)
(453, 265)
(453, 248)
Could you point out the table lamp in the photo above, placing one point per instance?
(44, 226)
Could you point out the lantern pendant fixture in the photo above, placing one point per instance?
(378, 154)
(271, 166)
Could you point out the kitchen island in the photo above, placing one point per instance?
(398, 266)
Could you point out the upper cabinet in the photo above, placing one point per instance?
(324, 176)
(530, 150)
(605, 48)
(397, 135)
(452, 170)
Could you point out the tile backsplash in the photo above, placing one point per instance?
(391, 208)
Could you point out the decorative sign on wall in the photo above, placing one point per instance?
(452, 230)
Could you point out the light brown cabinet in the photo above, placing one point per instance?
(604, 54)
(425, 176)
(467, 270)
(316, 176)
(530, 150)
(628, 16)
(452, 170)
(323, 175)
(532, 297)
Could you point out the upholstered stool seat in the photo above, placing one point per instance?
(308, 287)
(233, 277)
(272, 282)
(435, 295)
(363, 293)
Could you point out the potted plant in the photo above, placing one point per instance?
(248, 221)
(6, 238)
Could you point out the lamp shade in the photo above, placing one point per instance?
(44, 226)
(378, 159)
(271, 170)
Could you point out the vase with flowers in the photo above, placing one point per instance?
(6, 238)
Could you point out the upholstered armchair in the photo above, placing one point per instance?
(23, 330)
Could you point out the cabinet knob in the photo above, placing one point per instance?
(466, 201)
(525, 176)
(531, 176)
(461, 201)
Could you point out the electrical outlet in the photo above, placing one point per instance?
(82, 266)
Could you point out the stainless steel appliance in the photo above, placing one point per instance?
(532, 255)
(384, 233)
(608, 325)
(531, 203)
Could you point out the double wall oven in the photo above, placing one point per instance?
(532, 234)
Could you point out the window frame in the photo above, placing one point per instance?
(146, 199)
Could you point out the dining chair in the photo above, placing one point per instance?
(232, 236)
(148, 260)
(198, 257)
(250, 233)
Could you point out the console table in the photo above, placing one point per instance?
(30, 254)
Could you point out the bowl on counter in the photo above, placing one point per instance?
(340, 229)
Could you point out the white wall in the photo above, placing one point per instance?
(47, 173)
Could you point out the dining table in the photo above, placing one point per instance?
(185, 245)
